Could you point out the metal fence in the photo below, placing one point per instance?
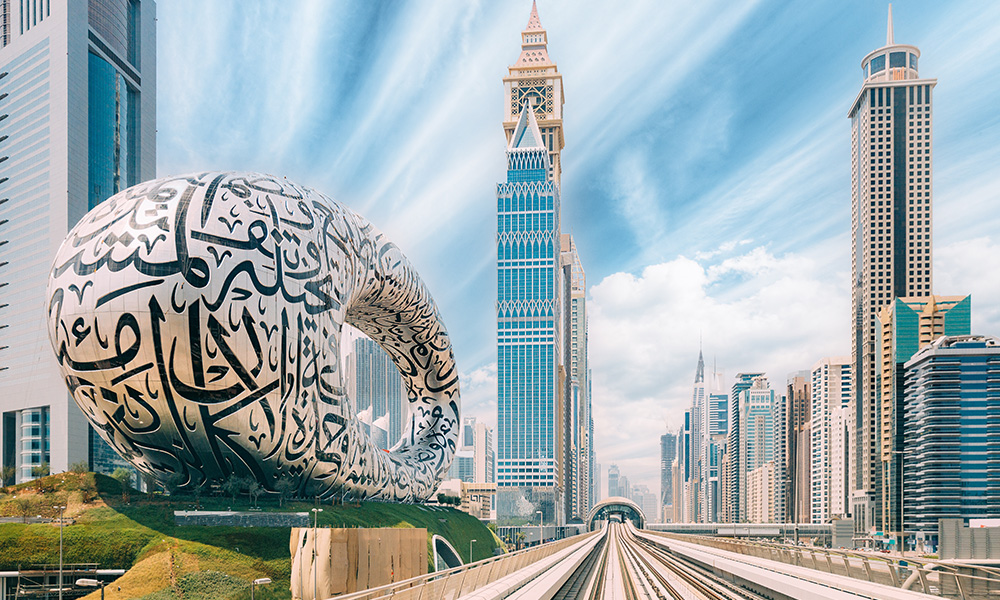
(459, 581)
(937, 578)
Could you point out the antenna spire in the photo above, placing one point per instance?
(888, 31)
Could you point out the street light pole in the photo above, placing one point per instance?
(253, 584)
(539, 513)
(470, 549)
(61, 512)
(95, 583)
(315, 513)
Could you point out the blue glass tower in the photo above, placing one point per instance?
(951, 454)
(528, 336)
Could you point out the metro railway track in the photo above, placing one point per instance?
(627, 567)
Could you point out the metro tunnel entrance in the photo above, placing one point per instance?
(616, 509)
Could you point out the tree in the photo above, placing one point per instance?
(25, 506)
(198, 490)
(174, 483)
(123, 476)
(7, 475)
(286, 488)
(233, 486)
(150, 481)
(41, 470)
(79, 467)
(255, 489)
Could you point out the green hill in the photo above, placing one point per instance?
(166, 561)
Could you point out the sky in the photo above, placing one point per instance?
(706, 173)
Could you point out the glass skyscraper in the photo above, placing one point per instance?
(906, 325)
(77, 124)
(951, 460)
(545, 454)
(528, 335)
(735, 505)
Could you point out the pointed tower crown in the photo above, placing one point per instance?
(888, 30)
(699, 376)
(533, 42)
(526, 136)
(526, 152)
(892, 62)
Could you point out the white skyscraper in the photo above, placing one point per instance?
(376, 386)
(830, 389)
(77, 125)
(891, 234)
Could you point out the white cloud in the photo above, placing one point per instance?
(971, 267)
(757, 311)
(479, 394)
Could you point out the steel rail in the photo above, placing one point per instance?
(703, 582)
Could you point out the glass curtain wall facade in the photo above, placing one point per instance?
(734, 477)
(528, 336)
(951, 460)
(756, 433)
(891, 135)
(78, 124)
(906, 325)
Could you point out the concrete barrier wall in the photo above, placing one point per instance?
(349, 560)
(956, 541)
(240, 519)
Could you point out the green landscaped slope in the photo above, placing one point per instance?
(166, 561)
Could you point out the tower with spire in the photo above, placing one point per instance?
(535, 81)
(531, 456)
(891, 134)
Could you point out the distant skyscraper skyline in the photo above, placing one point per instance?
(78, 126)
(891, 194)
(375, 384)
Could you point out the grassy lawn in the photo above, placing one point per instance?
(166, 561)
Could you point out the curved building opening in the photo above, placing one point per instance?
(616, 509)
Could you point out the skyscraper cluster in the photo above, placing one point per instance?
(545, 458)
(77, 125)
(893, 436)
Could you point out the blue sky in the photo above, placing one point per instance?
(706, 173)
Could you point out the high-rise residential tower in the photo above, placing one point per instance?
(891, 136)
(77, 125)
(668, 452)
(734, 464)
(535, 80)
(951, 461)
(830, 389)
(576, 390)
(798, 424)
(906, 325)
(375, 384)
(613, 475)
(756, 438)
